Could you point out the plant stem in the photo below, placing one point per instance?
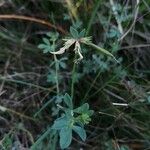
(93, 16)
(73, 79)
(56, 72)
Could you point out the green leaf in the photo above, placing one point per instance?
(63, 65)
(74, 32)
(82, 109)
(82, 33)
(90, 112)
(77, 24)
(100, 49)
(65, 137)
(80, 131)
(60, 123)
(68, 101)
(42, 46)
(46, 41)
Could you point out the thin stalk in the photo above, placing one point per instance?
(4, 109)
(27, 84)
(73, 79)
(134, 21)
(93, 16)
(56, 64)
(40, 139)
(91, 85)
(57, 88)
(56, 72)
(55, 138)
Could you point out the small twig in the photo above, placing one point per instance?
(41, 21)
(134, 21)
(135, 46)
(120, 104)
(28, 84)
(4, 109)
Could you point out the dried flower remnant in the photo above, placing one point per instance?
(77, 47)
(76, 40)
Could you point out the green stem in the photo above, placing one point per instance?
(93, 16)
(56, 72)
(73, 79)
(57, 88)
(56, 64)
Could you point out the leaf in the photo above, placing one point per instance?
(42, 46)
(74, 32)
(82, 109)
(53, 36)
(46, 41)
(77, 24)
(90, 112)
(63, 65)
(82, 33)
(100, 49)
(65, 137)
(60, 123)
(80, 131)
(68, 101)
